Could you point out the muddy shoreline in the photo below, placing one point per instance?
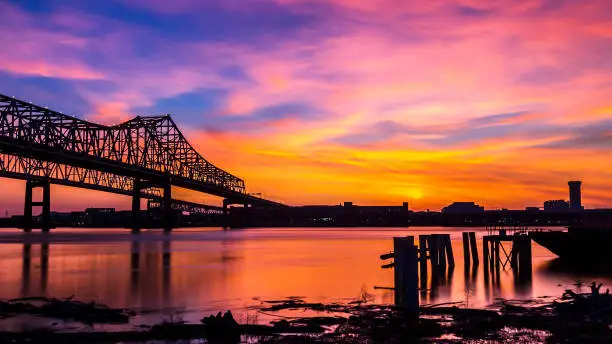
(572, 317)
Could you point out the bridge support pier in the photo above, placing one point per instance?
(225, 213)
(167, 214)
(27, 208)
(167, 208)
(45, 218)
(136, 225)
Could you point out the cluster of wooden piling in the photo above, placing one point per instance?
(437, 249)
(407, 257)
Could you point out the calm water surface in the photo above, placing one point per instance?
(193, 272)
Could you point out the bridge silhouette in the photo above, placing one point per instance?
(142, 157)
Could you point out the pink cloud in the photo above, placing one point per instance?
(43, 68)
(361, 63)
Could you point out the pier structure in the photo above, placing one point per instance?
(507, 246)
(410, 263)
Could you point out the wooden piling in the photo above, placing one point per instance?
(441, 252)
(397, 271)
(524, 257)
(423, 260)
(406, 274)
(497, 259)
(466, 250)
(449, 251)
(423, 249)
(485, 252)
(491, 253)
(474, 248)
(433, 252)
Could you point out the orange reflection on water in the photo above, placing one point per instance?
(200, 272)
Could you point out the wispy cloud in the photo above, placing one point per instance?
(425, 100)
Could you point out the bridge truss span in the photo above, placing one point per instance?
(17, 167)
(142, 157)
(143, 145)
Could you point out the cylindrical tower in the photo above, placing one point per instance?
(574, 194)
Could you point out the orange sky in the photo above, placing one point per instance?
(500, 102)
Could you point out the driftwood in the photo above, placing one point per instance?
(294, 304)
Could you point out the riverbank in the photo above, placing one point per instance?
(573, 317)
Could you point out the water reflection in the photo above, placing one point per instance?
(523, 281)
(135, 268)
(150, 267)
(166, 255)
(500, 269)
(215, 270)
(26, 266)
(470, 276)
(44, 267)
(26, 270)
(440, 284)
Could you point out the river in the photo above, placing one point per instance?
(194, 272)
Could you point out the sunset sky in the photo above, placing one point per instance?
(500, 102)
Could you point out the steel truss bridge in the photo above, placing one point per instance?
(142, 157)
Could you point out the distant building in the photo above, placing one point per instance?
(532, 209)
(556, 205)
(463, 208)
(575, 203)
(99, 210)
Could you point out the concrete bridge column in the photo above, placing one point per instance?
(168, 215)
(136, 225)
(46, 207)
(27, 208)
(226, 204)
(29, 203)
